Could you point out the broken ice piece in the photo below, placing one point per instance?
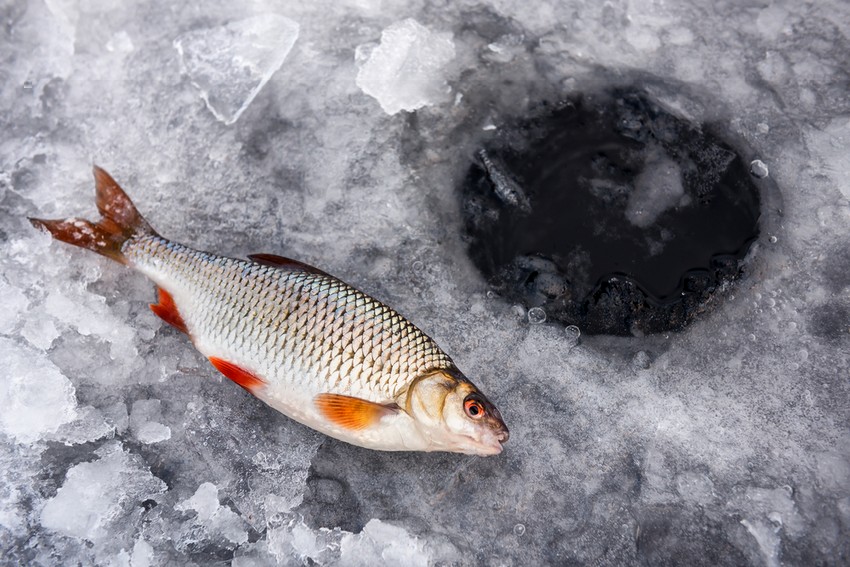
(144, 422)
(230, 64)
(407, 70)
(97, 497)
(215, 519)
(37, 399)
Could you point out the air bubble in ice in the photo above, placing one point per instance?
(230, 64)
(275, 520)
(536, 315)
(758, 169)
(573, 334)
(519, 530)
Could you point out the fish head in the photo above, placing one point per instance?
(453, 415)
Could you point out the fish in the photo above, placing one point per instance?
(506, 188)
(301, 340)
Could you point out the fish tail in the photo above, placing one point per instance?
(120, 221)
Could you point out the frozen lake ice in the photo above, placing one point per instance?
(336, 133)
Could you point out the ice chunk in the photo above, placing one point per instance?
(408, 69)
(96, 496)
(215, 519)
(143, 555)
(40, 332)
(90, 315)
(89, 425)
(230, 64)
(758, 169)
(144, 424)
(35, 396)
(657, 188)
(767, 539)
(14, 304)
(382, 544)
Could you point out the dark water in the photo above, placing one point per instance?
(559, 214)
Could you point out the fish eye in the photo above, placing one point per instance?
(474, 409)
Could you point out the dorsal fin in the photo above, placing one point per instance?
(285, 264)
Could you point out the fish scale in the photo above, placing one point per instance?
(383, 354)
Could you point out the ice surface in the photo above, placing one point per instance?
(230, 64)
(726, 444)
(408, 69)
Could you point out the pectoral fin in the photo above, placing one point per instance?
(352, 413)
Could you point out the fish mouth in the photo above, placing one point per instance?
(491, 444)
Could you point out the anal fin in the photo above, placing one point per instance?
(352, 413)
(244, 378)
(166, 310)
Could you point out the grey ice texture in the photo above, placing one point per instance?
(725, 444)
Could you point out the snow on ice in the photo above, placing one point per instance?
(724, 444)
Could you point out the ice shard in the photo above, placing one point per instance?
(231, 63)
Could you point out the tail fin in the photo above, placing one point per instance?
(120, 221)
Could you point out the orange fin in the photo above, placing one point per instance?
(238, 374)
(166, 310)
(285, 263)
(120, 221)
(352, 413)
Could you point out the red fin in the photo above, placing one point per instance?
(238, 374)
(286, 264)
(166, 310)
(120, 222)
(352, 413)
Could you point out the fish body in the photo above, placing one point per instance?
(302, 341)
